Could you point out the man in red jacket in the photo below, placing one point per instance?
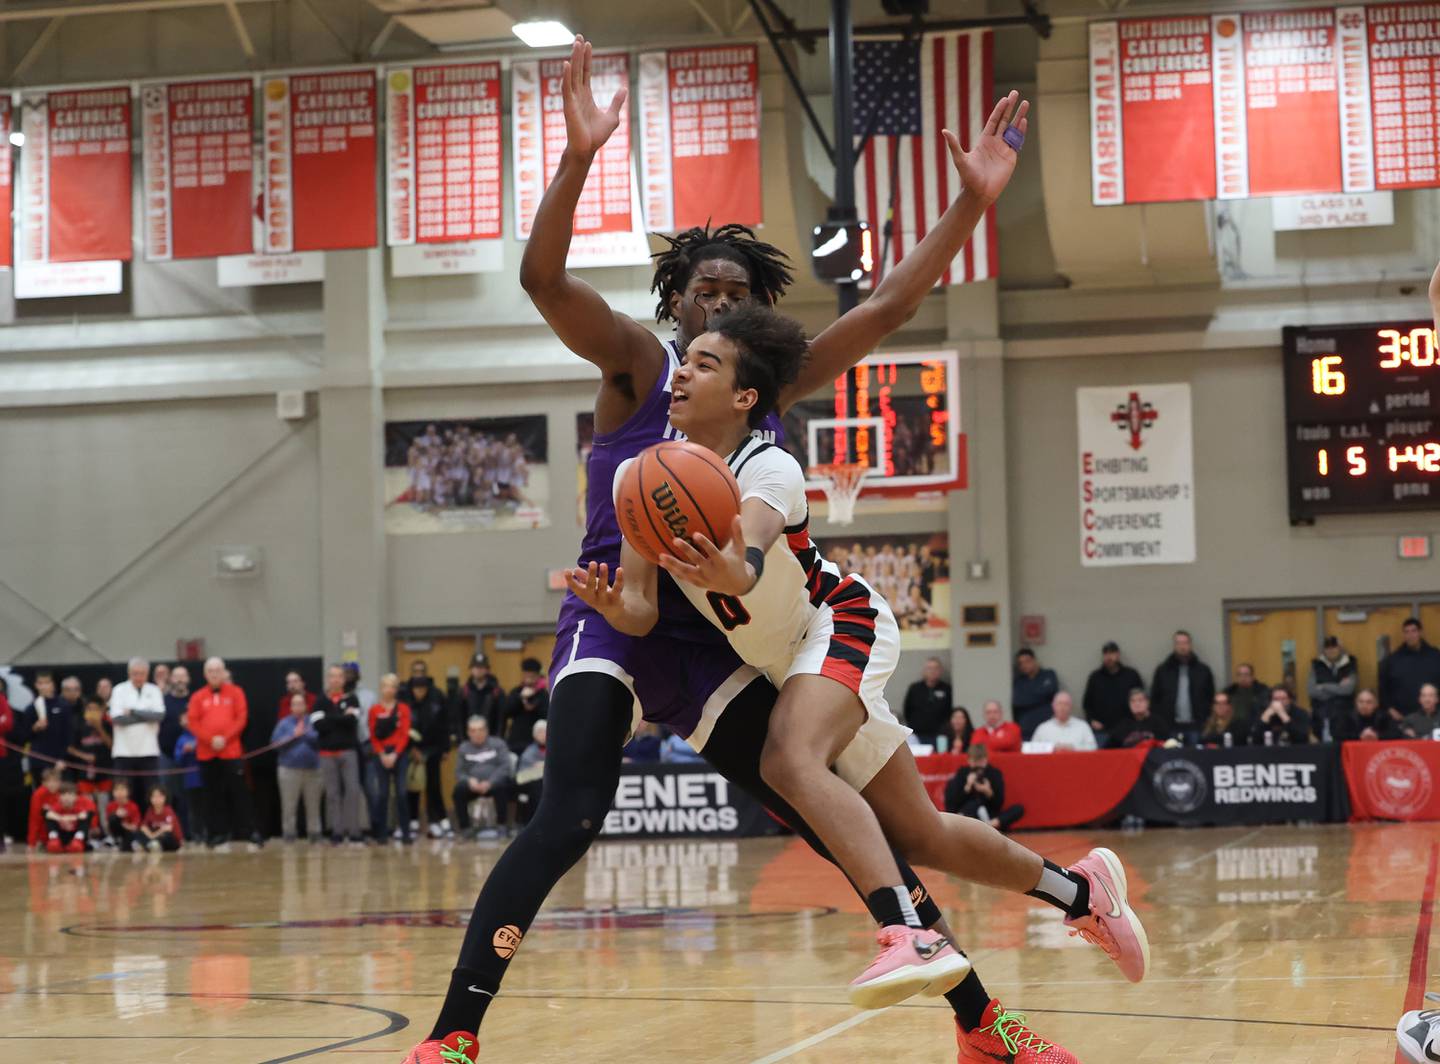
(999, 735)
(217, 716)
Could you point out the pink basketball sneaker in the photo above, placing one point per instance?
(911, 961)
(1112, 924)
(458, 1047)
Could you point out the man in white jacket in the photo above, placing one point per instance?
(136, 709)
(1064, 730)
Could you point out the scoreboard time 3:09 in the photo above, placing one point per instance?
(1362, 432)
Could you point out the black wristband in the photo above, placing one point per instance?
(756, 557)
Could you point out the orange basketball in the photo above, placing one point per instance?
(673, 490)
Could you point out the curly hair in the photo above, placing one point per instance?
(767, 265)
(772, 349)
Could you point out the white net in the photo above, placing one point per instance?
(842, 482)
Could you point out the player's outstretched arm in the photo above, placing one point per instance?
(630, 603)
(984, 172)
(1435, 297)
(576, 312)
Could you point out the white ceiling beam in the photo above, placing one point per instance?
(246, 44)
(31, 12)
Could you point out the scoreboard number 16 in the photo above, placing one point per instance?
(1326, 377)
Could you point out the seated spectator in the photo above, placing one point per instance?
(1183, 688)
(390, 737)
(1284, 721)
(525, 705)
(1248, 696)
(1221, 727)
(676, 751)
(192, 782)
(978, 791)
(1143, 726)
(1424, 722)
(999, 736)
(1065, 731)
(1107, 691)
(1032, 690)
(122, 819)
(297, 769)
(68, 821)
(1367, 723)
(644, 748)
(927, 702)
(160, 827)
(43, 797)
(960, 733)
(91, 748)
(530, 773)
(482, 770)
(1331, 685)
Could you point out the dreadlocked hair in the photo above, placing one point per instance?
(767, 265)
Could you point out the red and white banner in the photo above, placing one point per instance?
(442, 154)
(74, 201)
(319, 161)
(538, 115)
(7, 236)
(1404, 51)
(197, 139)
(700, 137)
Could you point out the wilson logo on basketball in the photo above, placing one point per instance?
(675, 520)
(506, 941)
(1398, 783)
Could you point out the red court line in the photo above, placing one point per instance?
(1420, 951)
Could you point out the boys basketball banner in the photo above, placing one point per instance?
(319, 161)
(442, 153)
(197, 139)
(74, 201)
(1266, 103)
(1137, 477)
(700, 136)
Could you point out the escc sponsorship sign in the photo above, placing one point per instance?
(691, 799)
(1249, 785)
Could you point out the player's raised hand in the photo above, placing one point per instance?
(587, 126)
(700, 562)
(986, 168)
(592, 586)
(1435, 297)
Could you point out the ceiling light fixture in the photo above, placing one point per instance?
(543, 33)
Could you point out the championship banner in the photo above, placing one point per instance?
(700, 136)
(319, 161)
(197, 140)
(1245, 785)
(74, 201)
(1137, 475)
(538, 115)
(1393, 781)
(683, 799)
(442, 154)
(7, 236)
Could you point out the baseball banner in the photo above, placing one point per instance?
(197, 141)
(700, 136)
(442, 154)
(1137, 476)
(319, 161)
(74, 203)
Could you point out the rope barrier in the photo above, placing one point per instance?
(81, 766)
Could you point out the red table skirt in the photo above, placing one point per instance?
(1060, 790)
(1393, 781)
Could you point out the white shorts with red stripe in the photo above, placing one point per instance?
(854, 640)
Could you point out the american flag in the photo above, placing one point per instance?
(905, 93)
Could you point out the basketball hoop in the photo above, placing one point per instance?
(841, 481)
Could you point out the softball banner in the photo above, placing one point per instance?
(700, 137)
(318, 179)
(197, 142)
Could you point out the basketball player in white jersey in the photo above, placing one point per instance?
(830, 643)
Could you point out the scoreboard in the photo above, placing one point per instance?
(1361, 422)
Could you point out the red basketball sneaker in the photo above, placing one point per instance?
(54, 845)
(457, 1047)
(77, 845)
(1003, 1038)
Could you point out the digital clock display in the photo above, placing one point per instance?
(1362, 430)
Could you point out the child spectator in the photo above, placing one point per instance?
(68, 821)
(41, 800)
(160, 826)
(389, 721)
(193, 782)
(298, 769)
(91, 748)
(122, 818)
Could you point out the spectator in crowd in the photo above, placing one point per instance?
(14, 796)
(1107, 691)
(961, 732)
(674, 750)
(160, 826)
(482, 770)
(104, 688)
(365, 698)
(1424, 723)
(122, 818)
(91, 749)
(1248, 696)
(644, 746)
(530, 773)
(1032, 690)
(176, 694)
(295, 685)
(1183, 688)
(1143, 725)
(43, 797)
(161, 677)
(53, 720)
(136, 710)
(1285, 722)
(978, 791)
(186, 756)
(390, 738)
(928, 701)
(353, 684)
(1064, 730)
(481, 695)
(217, 715)
(1407, 669)
(1331, 686)
(525, 705)
(337, 726)
(999, 735)
(1221, 727)
(297, 769)
(68, 821)
(1367, 722)
(430, 717)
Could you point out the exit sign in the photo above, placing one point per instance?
(1415, 547)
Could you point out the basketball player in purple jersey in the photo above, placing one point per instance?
(683, 676)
